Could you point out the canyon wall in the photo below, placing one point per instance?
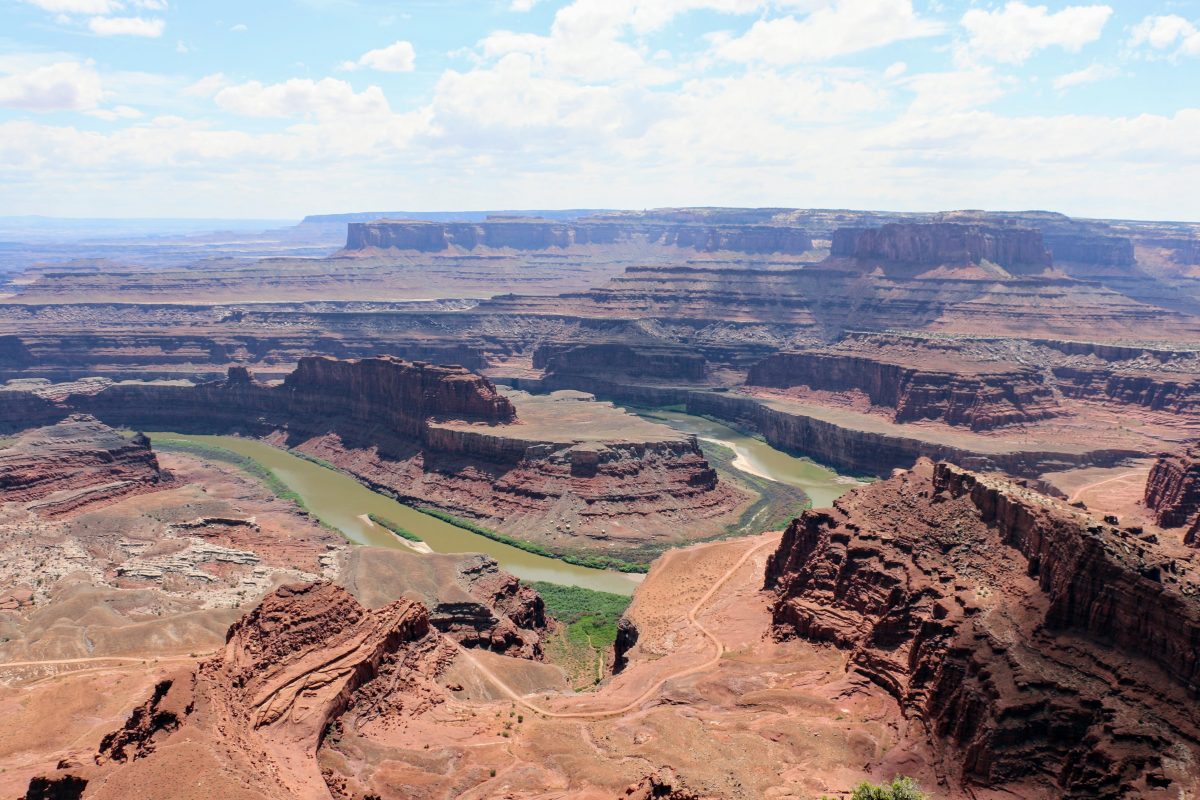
(385, 397)
(1173, 489)
(977, 396)
(1162, 391)
(77, 463)
(1040, 647)
(866, 452)
(533, 234)
(400, 394)
(1092, 249)
(1016, 249)
(616, 359)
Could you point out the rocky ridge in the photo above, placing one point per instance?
(79, 462)
(978, 396)
(1173, 491)
(248, 722)
(537, 234)
(1044, 651)
(944, 243)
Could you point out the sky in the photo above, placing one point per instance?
(281, 108)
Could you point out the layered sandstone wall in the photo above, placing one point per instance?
(1158, 392)
(1092, 249)
(391, 398)
(864, 452)
(250, 719)
(1040, 648)
(75, 463)
(981, 398)
(615, 359)
(1173, 489)
(403, 395)
(934, 244)
(534, 234)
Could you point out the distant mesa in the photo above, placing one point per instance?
(1018, 250)
(512, 233)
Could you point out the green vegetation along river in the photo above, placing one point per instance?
(756, 457)
(344, 503)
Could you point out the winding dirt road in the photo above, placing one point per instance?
(1080, 491)
(719, 649)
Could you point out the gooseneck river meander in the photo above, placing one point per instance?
(345, 504)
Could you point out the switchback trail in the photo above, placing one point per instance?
(653, 689)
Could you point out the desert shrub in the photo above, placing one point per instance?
(901, 788)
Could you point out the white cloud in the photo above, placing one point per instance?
(1014, 33)
(241, 27)
(327, 98)
(1165, 32)
(399, 56)
(522, 5)
(837, 29)
(1089, 74)
(126, 26)
(65, 86)
(895, 70)
(115, 113)
(77, 6)
(207, 86)
(948, 92)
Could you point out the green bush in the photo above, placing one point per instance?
(901, 788)
(572, 603)
(403, 533)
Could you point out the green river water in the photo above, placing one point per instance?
(345, 504)
(756, 457)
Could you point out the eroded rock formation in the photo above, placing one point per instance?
(1173, 490)
(399, 394)
(537, 234)
(615, 359)
(393, 398)
(979, 396)
(944, 243)
(248, 722)
(1042, 648)
(1158, 391)
(77, 463)
(497, 611)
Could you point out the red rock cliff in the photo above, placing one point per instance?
(981, 398)
(533, 234)
(76, 463)
(1015, 249)
(1047, 653)
(248, 722)
(398, 393)
(1173, 489)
